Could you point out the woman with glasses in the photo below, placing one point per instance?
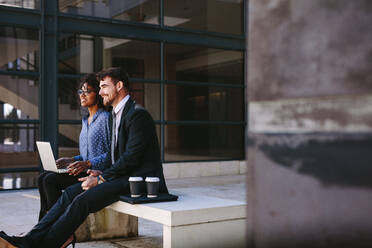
(94, 146)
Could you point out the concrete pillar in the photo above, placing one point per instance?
(310, 130)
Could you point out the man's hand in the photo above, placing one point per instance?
(77, 167)
(64, 162)
(88, 182)
(94, 173)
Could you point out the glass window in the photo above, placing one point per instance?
(141, 59)
(68, 140)
(145, 11)
(68, 99)
(29, 4)
(203, 142)
(147, 95)
(18, 150)
(85, 54)
(192, 63)
(16, 138)
(18, 180)
(19, 49)
(19, 98)
(225, 16)
(202, 103)
(75, 53)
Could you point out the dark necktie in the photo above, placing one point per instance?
(113, 138)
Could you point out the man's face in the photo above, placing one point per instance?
(108, 91)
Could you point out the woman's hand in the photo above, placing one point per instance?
(78, 167)
(64, 162)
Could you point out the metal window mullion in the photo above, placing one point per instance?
(20, 169)
(190, 83)
(246, 109)
(98, 54)
(28, 121)
(161, 14)
(193, 123)
(20, 73)
(48, 73)
(111, 21)
(19, 17)
(157, 81)
(162, 103)
(70, 76)
(69, 122)
(97, 27)
(201, 161)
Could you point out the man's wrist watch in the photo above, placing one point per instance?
(100, 179)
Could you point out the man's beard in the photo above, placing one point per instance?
(107, 101)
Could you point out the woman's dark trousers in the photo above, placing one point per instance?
(50, 186)
(71, 209)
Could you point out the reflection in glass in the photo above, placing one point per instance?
(28, 4)
(17, 145)
(191, 63)
(18, 180)
(201, 103)
(145, 11)
(141, 59)
(68, 140)
(145, 94)
(19, 98)
(203, 142)
(19, 49)
(148, 96)
(75, 53)
(84, 54)
(68, 99)
(225, 16)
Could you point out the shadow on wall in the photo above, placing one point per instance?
(334, 159)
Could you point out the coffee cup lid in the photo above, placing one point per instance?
(152, 179)
(135, 179)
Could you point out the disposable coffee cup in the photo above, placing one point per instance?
(152, 185)
(136, 186)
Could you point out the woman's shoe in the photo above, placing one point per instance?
(71, 240)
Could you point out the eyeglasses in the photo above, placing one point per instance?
(85, 92)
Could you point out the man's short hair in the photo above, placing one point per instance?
(116, 74)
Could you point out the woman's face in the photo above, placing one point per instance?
(87, 96)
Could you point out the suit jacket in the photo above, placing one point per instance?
(137, 150)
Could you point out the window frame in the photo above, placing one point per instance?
(50, 23)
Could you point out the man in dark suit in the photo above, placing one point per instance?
(135, 152)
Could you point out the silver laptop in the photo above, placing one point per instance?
(47, 157)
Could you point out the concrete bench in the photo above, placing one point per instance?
(194, 220)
